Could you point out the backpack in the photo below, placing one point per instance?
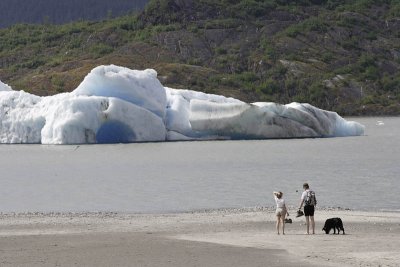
(310, 199)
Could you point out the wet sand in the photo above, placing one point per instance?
(214, 238)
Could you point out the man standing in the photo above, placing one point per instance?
(309, 201)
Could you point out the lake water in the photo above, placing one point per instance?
(360, 173)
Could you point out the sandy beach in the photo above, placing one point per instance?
(215, 238)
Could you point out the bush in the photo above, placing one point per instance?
(58, 83)
(222, 24)
(351, 44)
(269, 87)
(33, 64)
(371, 73)
(246, 77)
(317, 92)
(372, 35)
(365, 61)
(333, 4)
(327, 57)
(220, 51)
(312, 24)
(249, 8)
(100, 50)
(394, 10)
(269, 49)
(391, 83)
(292, 31)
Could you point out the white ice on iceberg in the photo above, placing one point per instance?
(178, 113)
(115, 104)
(4, 87)
(141, 88)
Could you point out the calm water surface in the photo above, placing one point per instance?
(353, 172)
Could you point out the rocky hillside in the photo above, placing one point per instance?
(336, 54)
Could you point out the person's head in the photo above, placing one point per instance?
(279, 195)
(306, 186)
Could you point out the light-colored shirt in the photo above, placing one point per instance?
(304, 195)
(280, 202)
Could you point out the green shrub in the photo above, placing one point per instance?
(394, 10)
(246, 77)
(74, 43)
(222, 24)
(351, 44)
(317, 92)
(33, 64)
(144, 35)
(221, 51)
(269, 49)
(248, 8)
(390, 83)
(371, 73)
(292, 31)
(315, 24)
(100, 50)
(333, 4)
(372, 35)
(193, 28)
(365, 61)
(347, 69)
(269, 87)
(327, 57)
(58, 83)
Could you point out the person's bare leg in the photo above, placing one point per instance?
(283, 223)
(278, 221)
(308, 224)
(312, 224)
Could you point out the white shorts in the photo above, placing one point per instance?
(280, 211)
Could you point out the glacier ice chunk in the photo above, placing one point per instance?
(85, 119)
(141, 88)
(268, 120)
(4, 87)
(178, 112)
(117, 105)
(20, 118)
(244, 121)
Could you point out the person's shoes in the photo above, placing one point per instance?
(288, 220)
(299, 213)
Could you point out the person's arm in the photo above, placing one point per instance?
(301, 202)
(287, 213)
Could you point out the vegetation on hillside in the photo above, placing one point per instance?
(336, 54)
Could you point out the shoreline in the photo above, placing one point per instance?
(213, 238)
(255, 209)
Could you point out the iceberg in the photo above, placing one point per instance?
(118, 105)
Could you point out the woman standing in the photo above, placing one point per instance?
(281, 211)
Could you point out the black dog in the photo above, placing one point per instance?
(333, 223)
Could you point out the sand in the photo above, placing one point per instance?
(213, 238)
